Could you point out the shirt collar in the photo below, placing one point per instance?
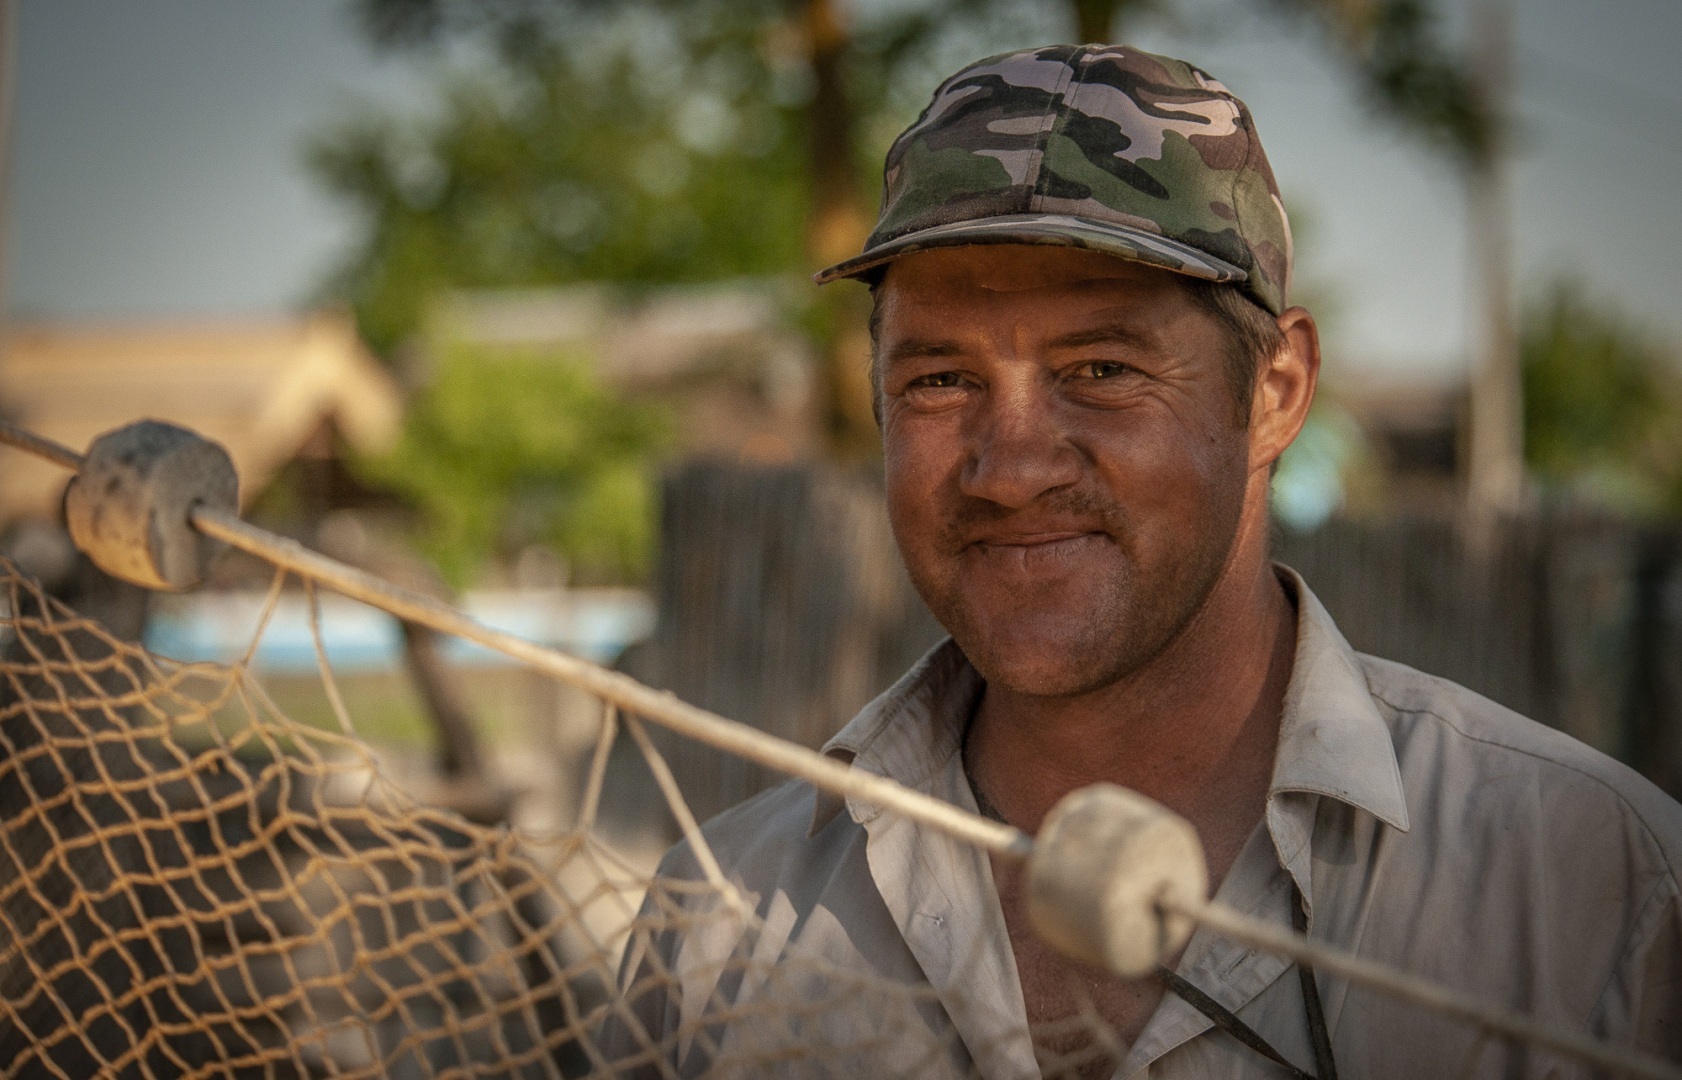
(912, 729)
(1332, 739)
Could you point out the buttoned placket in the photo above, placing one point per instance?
(939, 892)
(1258, 885)
(943, 898)
(945, 902)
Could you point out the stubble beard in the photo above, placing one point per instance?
(1134, 612)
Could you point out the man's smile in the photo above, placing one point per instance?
(1033, 538)
(1036, 551)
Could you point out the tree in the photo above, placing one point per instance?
(1455, 102)
(649, 141)
(611, 154)
(642, 142)
(1602, 404)
(506, 450)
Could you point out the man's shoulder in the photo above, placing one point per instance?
(767, 838)
(1441, 727)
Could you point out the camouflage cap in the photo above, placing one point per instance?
(1100, 147)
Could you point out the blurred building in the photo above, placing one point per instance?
(1413, 435)
(277, 394)
(727, 358)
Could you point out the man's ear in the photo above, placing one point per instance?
(1284, 388)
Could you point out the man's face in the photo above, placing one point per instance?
(1066, 465)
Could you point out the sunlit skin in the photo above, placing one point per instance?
(1081, 502)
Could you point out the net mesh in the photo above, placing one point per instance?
(191, 883)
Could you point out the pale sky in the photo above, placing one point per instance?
(156, 163)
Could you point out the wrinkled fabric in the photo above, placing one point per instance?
(1429, 828)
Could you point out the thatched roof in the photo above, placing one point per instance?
(260, 388)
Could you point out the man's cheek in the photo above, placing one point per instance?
(916, 473)
(918, 527)
(1148, 467)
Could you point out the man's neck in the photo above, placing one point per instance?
(1195, 728)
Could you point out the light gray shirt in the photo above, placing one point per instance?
(1427, 827)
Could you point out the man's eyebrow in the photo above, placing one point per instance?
(914, 348)
(1114, 334)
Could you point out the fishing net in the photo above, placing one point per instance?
(191, 883)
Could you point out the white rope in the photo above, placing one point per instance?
(29, 442)
(1411, 988)
(660, 706)
(664, 708)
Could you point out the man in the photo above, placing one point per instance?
(1086, 370)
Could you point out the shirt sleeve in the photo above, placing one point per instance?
(1651, 978)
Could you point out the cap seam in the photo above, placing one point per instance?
(1232, 192)
(1055, 114)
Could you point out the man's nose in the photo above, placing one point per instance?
(1019, 449)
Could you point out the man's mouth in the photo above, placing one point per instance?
(1032, 539)
(1035, 549)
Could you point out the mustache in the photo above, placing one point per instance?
(1071, 508)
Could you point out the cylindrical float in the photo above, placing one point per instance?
(1103, 861)
(128, 508)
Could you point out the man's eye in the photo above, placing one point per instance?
(1103, 369)
(940, 380)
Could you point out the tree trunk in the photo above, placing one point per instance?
(459, 756)
(1101, 22)
(1095, 19)
(472, 787)
(1495, 440)
(839, 224)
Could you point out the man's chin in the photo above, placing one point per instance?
(1045, 664)
(1054, 678)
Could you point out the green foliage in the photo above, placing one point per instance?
(1408, 72)
(506, 449)
(641, 142)
(1602, 411)
(645, 142)
(657, 141)
(609, 167)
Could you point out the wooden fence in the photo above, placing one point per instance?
(783, 603)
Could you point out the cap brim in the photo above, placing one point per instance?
(1135, 245)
